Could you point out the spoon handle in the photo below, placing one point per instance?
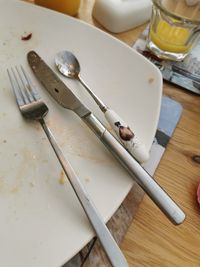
(126, 136)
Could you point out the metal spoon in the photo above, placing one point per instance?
(69, 66)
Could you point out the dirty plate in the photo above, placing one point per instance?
(42, 222)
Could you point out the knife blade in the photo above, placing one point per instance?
(58, 90)
(64, 96)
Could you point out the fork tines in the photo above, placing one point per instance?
(28, 100)
(22, 87)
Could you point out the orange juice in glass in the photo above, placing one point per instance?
(174, 28)
(69, 7)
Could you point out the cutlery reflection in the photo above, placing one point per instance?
(63, 95)
(69, 66)
(32, 107)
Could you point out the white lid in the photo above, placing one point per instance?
(121, 15)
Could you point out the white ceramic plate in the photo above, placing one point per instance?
(42, 223)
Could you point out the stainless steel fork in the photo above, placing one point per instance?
(32, 107)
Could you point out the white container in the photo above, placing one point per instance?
(121, 15)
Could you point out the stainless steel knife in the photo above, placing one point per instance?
(64, 96)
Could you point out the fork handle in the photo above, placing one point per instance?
(111, 248)
(148, 184)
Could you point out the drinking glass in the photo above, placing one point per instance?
(174, 28)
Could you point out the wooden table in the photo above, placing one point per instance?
(152, 240)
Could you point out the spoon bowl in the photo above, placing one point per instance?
(68, 64)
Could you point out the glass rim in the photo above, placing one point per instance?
(184, 19)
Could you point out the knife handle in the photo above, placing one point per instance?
(148, 184)
(126, 136)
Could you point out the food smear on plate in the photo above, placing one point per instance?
(62, 178)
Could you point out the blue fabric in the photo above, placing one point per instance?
(169, 115)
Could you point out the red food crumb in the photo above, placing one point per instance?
(26, 37)
(198, 194)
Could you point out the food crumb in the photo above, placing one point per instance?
(62, 178)
(14, 190)
(31, 184)
(87, 179)
(26, 37)
(151, 80)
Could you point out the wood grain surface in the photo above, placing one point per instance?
(152, 240)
